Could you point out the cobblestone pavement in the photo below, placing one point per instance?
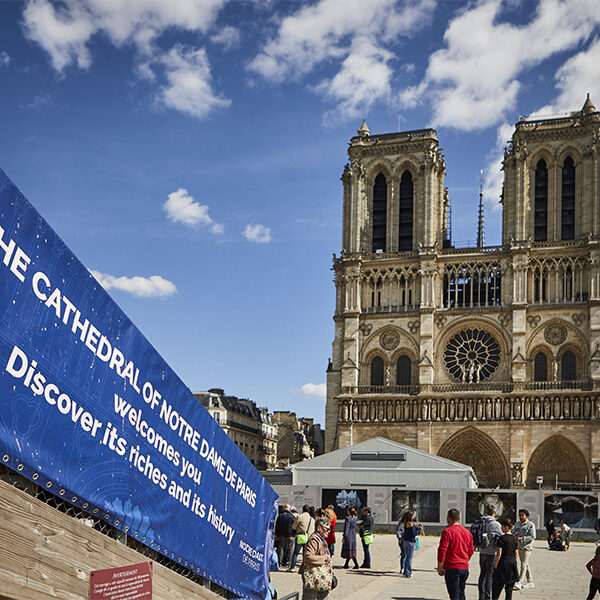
(557, 575)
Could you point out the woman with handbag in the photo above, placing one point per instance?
(365, 527)
(409, 542)
(317, 574)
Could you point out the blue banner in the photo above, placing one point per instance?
(91, 412)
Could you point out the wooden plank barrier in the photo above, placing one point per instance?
(46, 554)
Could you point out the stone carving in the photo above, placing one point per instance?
(414, 326)
(366, 328)
(389, 340)
(517, 474)
(533, 320)
(505, 319)
(440, 320)
(578, 318)
(555, 334)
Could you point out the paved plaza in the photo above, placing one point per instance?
(557, 575)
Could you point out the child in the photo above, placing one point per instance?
(594, 568)
(506, 572)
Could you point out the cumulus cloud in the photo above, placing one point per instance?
(318, 390)
(182, 208)
(257, 233)
(473, 81)
(65, 31)
(188, 88)
(144, 287)
(4, 59)
(352, 34)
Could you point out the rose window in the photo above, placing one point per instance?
(472, 355)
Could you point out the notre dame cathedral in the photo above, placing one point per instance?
(488, 355)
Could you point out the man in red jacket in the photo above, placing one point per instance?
(454, 552)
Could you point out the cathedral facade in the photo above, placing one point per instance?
(488, 355)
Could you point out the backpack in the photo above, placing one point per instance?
(479, 533)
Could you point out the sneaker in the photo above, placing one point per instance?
(517, 586)
(529, 585)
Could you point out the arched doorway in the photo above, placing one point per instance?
(557, 456)
(472, 447)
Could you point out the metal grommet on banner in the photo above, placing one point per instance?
(85, 505)
(135, 534)
(144, 539)
(106, 517)
(126, 528)
(49, 484)
(35, 476)
(116, 522)
(5, 458)
(20, 468)
(61, 493)
(74, 499)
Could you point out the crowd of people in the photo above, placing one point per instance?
(504, 549)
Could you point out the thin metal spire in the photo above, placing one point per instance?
(480, 229)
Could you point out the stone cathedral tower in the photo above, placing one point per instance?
(488, 355)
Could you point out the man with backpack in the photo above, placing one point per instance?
(486, 533)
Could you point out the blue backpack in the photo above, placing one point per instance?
(479, 533)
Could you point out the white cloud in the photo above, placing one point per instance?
(138, 286)
(182, 208)
(4, 59)
(494, 176)
(352, 34)
(65, 32)
(314, 389)
(228, 37)
(188, 87)
(473, 81)
(257, 233)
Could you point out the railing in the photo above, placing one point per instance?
(390, 309)
(292, 596)
(486, 386)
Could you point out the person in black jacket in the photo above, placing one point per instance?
(284, 535)
(365, 525)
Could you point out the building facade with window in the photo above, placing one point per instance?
(490, 355)
(250, 427)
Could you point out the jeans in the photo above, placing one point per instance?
(331, 549)
(297, 548)
(366, 554)
(456, 580)
(594, 587)
(408, 551)
(486, 571)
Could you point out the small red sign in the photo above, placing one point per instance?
(122, 583)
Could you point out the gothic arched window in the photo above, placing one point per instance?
(540, 232)
(568, 200)
(405, 233)
(377, 371)
(540, 367)
(403, 371)
(568, 366)
(379, 213)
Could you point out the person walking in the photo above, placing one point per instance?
(506, 572)
(330, 514)
(524, 531)
(454, 553)
(594, 568)
(597, 528)
(315, 554)
(349, 538)
(284, 535)
(365, 526)
(409, 541)
(551, 530)
(487, 551)
(303, 526)
(565, 532)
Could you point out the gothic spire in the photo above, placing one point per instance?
(364, 129)
(588, 107)
(480, 231)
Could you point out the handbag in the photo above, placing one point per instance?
(318, 578)
(417, 543)
(301, 538)
(368, 538)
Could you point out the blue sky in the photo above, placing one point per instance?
(189, 152)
